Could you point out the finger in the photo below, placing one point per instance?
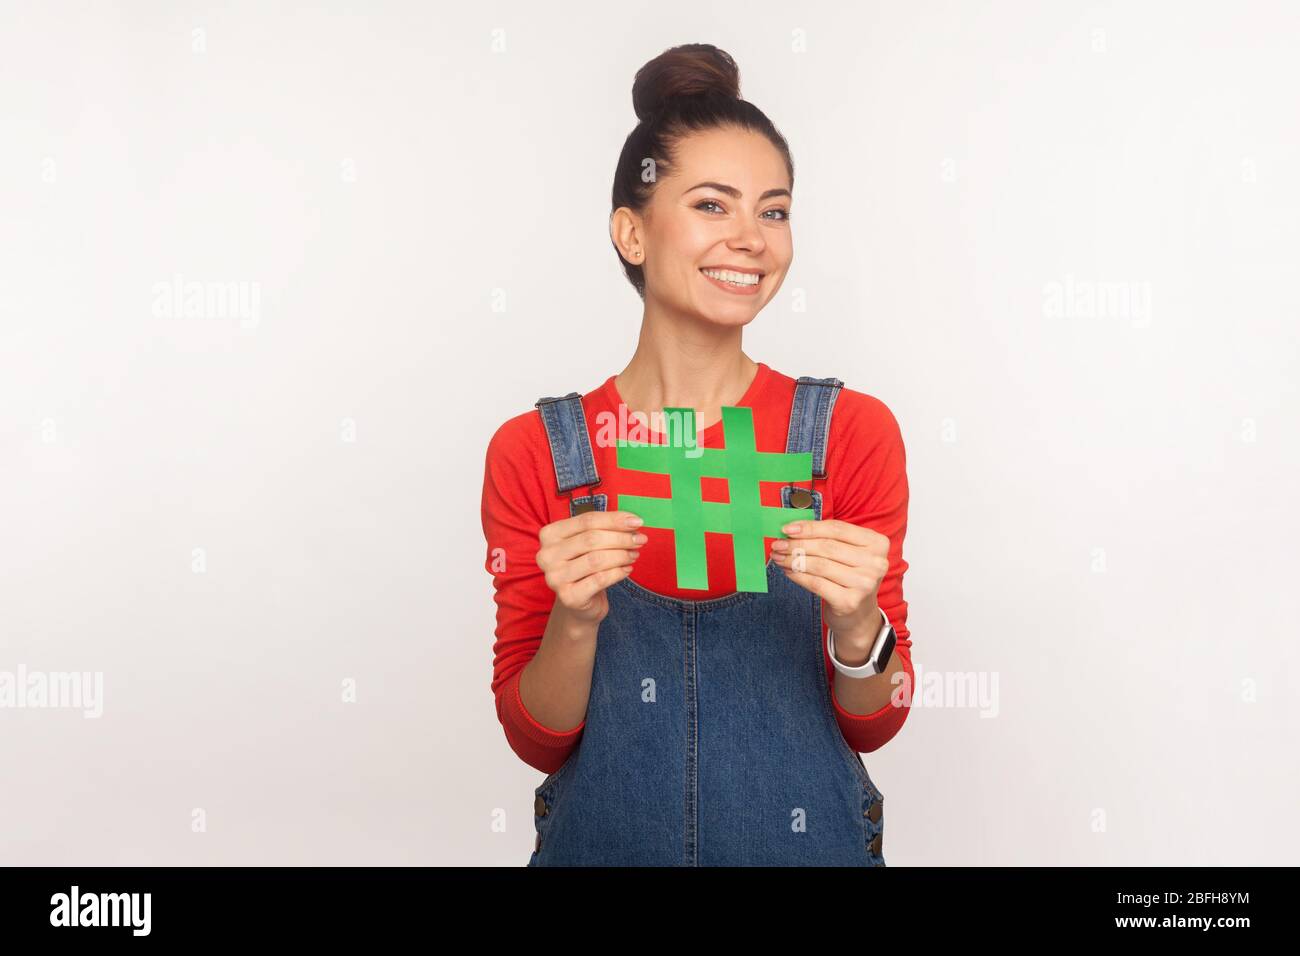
(830, 528)
(588, 521)
(852, 578)
(595, 540)
(868, 560)
(592, 562)
(583, 591)
(850, 554)
(831, 592)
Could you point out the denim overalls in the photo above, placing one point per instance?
(711, 738)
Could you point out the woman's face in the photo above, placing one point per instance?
(725, 207)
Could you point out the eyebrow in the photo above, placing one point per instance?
(734, 193)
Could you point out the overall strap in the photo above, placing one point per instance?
(810, 429)
(575, 466)
(810, 419)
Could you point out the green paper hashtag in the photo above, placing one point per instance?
(689, 516)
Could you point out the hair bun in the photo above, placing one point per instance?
(692, 69)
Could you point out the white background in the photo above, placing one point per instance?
(1102, 510)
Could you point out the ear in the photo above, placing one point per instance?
(625, 232)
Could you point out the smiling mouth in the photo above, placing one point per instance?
(738, 280)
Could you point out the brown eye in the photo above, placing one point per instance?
(708, 202)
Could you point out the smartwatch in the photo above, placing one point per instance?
(877, 661)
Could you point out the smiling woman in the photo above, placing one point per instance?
(700, 725)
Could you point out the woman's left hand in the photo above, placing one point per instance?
(844, 565)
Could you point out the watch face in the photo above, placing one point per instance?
(886, 650)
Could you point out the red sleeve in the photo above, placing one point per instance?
(868, 474)
(514, 508)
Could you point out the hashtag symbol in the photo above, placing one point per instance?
(689, 516)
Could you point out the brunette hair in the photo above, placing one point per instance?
(685, 89)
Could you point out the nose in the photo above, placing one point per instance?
(747, 238)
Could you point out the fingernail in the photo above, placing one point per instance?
(634, 554)
(634, 521)
(639, 539)
(779, 545)
(791, 528)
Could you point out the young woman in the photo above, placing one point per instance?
(689, 727)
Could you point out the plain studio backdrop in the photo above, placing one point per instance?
(271, 278)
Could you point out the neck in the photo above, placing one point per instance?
(685, 364)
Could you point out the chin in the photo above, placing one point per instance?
(728, 321)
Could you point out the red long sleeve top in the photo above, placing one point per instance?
(865, 484)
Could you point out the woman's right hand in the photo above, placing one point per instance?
(583, 555)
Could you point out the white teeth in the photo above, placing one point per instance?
(735, 278)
